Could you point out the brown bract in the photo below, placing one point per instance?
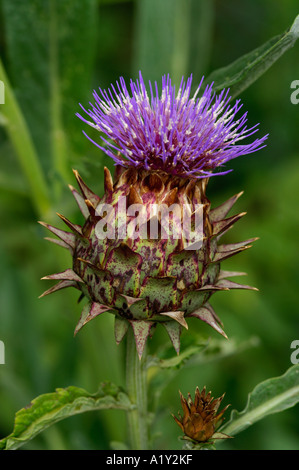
(200, 419)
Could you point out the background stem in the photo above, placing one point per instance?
(58, 138)
(137, 391)
(20, 138)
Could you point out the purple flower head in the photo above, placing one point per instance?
(180, 134)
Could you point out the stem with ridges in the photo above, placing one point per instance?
(137, 391)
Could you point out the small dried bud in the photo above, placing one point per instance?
(200, 419)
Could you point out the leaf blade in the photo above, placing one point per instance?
(270, 396)
(51, 70)
(47, 409)
(21, 139)
(245, 70)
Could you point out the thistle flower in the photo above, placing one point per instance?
(182, 135)
(200, 419)
(165, 148)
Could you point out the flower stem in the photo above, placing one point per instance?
(137, 391)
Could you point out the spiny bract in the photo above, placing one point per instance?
(200, 419)
(166, 148)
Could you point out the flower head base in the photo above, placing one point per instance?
(183, 135)
(165, 148)
(200, 419)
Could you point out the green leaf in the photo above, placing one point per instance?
(11, 177)
(116, 445)
(189, 444)
(186, 34)
(171, 38)
(219, 349)
(21, 140)
(112, 2)
(271, 396)
(177, 361)
(51, 71)
(201, 37)
(240, 74)
(198, 352)
(203, 352)
(50, 408)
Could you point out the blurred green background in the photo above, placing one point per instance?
(55, 53)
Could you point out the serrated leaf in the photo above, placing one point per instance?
(48, 409)
(241, 73)
(271, 396)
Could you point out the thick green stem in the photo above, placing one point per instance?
(137, 391)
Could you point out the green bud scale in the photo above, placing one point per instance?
(143, 282)
(165, 148)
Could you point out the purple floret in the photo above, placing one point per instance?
(183, 135)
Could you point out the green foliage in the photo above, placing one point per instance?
(53, 54)
(185, 34)
(50, 408)
(201, 352)
(17, 129)
(271, 396)
(247, 69)
(50, 69)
